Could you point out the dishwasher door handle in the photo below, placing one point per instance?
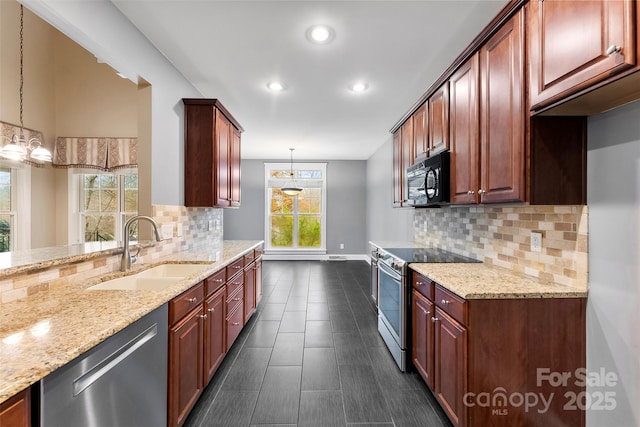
(109, 362)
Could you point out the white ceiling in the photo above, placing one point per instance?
(230, 50)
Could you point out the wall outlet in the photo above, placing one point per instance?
(179, 230)
(341, 245)
(210, 225)
(167, 231)
(536, 241)
(217, 224)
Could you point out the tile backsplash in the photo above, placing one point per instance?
(500, 236)
(198, 225)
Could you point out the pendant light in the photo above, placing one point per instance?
(19, 148)
(292, 189)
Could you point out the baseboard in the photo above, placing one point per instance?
(311, 257)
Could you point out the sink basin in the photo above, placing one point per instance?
(153, 279)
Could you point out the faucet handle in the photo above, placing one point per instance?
(134, 257)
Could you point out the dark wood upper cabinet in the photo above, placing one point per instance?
(439, 120)
(397, 169)
(212, 155)
(576, 44)
(464, 124)
(420, 133)
(502, 114)
(403, 157)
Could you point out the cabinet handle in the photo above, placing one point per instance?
(235, 299)
(192, 299)
(204, 316)
(613, 49)
(237, 267)
(235, 323)
(481, 191)
(211, 310)
(419, 283)
(470, 192)
(446, 301)
(218, 280)
(434, 319)
(426, 311)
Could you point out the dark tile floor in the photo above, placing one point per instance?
(311, 355)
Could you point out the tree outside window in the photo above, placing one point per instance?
(6, 211)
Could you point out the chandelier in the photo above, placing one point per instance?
(291, 189)
(19, 147)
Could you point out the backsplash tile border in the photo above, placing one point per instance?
(500, 236)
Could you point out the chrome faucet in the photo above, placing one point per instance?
(127, 259)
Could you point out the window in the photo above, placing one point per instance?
(296, 223)
(107, 200)
(7, 209)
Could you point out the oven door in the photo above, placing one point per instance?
(391, 303)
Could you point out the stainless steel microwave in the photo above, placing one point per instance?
(428, 181)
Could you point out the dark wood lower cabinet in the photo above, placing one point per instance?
(215, 347)
(185, 365)
(450, 363)
(490, 355)
(16, 412)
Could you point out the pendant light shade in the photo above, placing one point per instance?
(19, 147)
(291, 188)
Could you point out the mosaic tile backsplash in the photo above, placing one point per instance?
(195, 229)
(500, 236)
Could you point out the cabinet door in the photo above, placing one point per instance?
(407, 156)
(249, 291)
(422, 351)
(234, 172)
(214, 345)
(439, 120)
(185, 365)
(258, 271)
(450, 366)
(574, 44)
(397, 169)
(223, 152)
(420, 129)
(16, 412)
(502, 114)
(463, 132)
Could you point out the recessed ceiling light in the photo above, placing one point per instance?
(358, 87)
(320, 34)
(276, 86)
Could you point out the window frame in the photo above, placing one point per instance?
(322, 167)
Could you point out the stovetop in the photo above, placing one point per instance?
(428, 255)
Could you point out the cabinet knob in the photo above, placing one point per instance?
(613, 49)
(419, 283)
(219, 280)
(237, 267)
(211, 310)
(426, 311)
(470, 192)
(235, 299)
(235, 323)
(192, 299)
(434, 319)
(204, 316)
(481, 192)
(446, 301)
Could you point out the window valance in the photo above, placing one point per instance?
(106, 154)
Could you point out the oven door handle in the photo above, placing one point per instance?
(389, 271)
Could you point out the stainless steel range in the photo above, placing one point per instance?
(394, 289)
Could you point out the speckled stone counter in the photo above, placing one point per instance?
(43, 332)
(480, 281)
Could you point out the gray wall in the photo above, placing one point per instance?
(346, 206)
(613, 312)
(383, 221)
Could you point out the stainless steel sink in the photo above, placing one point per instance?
(153, 279)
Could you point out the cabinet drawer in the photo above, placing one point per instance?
(452, 304)
(249, 257)
(233, 300)
(234, 283)
(235, 267)
(185, 302)
(234, 325)
(215, 281)
(423, 284)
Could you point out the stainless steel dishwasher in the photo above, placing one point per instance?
(121, 382)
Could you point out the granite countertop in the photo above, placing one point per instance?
(484, 281)
(43, 332)
(481, 281)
